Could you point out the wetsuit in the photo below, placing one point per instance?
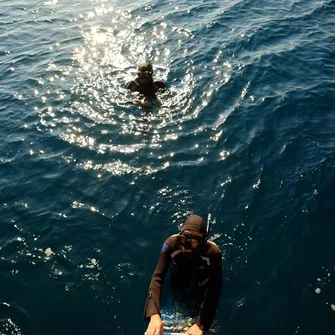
(195, 280)
(148, 90)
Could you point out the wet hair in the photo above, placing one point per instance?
(145, 67)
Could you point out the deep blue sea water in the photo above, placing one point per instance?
(91, 185)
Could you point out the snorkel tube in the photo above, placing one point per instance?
(208, 227)
(207, 235)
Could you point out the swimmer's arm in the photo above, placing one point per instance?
(211, 301)
(132, 86)
(160, 85)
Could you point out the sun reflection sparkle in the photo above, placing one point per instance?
(224, 154)
(106, 56)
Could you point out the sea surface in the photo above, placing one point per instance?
(91, 184)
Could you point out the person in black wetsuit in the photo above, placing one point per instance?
(195, 265)
(146, 85)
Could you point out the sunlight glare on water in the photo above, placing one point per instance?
(97, 107)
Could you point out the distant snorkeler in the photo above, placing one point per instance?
(146, 85)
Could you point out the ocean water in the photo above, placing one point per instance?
(91, 185)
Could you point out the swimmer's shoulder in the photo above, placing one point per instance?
(132, 86)
(159, 83)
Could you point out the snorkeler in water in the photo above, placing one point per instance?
(195, 265)
(146, 85)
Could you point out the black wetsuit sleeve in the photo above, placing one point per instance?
(159, 85)
(132, 86)
(212, 297)
(152, 305)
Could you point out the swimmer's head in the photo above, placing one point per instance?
(197, 224)
(193, 234)
(145, 72)
(145, 67)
